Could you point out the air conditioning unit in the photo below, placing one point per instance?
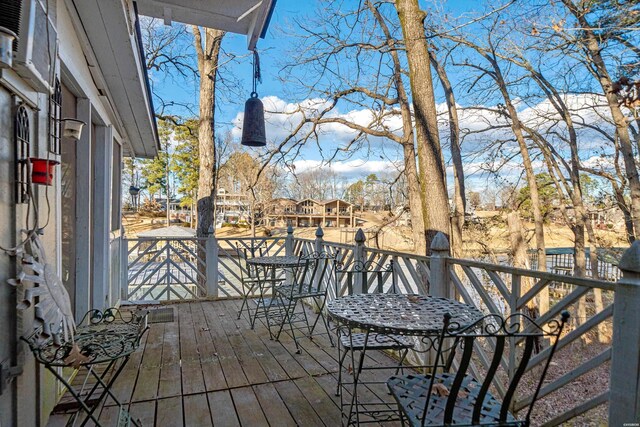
(35, 49)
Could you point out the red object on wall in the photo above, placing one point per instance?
(42, 170)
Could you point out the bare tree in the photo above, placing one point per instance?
(592, 44)
(494, 70)
(207, 52)
(435, 201)
(380, 89)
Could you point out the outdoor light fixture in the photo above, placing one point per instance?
(6, 47)
(72, 128)
(253, 133)
(42, 170)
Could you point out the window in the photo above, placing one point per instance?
(23, 142)
(55, 119)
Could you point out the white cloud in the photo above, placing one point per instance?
(481, 127)
(350, 168)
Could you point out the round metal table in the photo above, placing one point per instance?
(276, 261)
(385, 316)
(400, 314)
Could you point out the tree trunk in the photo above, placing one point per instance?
(207, 66)
(516, 126)
(593, 50)
(435, 201)
(519, 253)
(459, 205)
(408, 147)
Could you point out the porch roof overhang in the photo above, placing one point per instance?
(111, 31)
(249, 17)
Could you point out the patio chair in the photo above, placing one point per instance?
(249, 279)
(457, 397)
(309, 281)
(372, 278)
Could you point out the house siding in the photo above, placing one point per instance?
(28, 399)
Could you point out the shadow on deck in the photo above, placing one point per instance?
(208, 368)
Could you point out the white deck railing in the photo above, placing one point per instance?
(605, 314)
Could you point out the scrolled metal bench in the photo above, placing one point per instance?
(102, 337)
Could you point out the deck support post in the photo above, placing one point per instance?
(624, 383)
(211, 247)
(288, 242)
(318, 249)
(124, 269)
(289, 251)
(359, 259)
(439, 283)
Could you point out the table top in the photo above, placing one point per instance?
(400, 313)
(278, 261)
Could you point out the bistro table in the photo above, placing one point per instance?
(392, 314)
(269, 266)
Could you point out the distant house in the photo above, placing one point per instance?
(309, 213)
(231, 208)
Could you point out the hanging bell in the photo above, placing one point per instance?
(253, 134)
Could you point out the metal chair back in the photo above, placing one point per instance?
(369, 277)
(513, 332)
(314, 271)
(248, 271)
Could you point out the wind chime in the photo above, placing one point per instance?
(253, 133)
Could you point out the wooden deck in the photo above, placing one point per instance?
(208, 368)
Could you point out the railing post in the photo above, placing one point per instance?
(288, 251)
(124, 269)
(624, 383)
(318, 242)
(212, 266)
(288, 242)
(359, 259)
(439, 285)
(318, 250)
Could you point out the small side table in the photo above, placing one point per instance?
(107, 337)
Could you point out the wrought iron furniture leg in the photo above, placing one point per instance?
(356, 377)
(107, 387)
(76, 396)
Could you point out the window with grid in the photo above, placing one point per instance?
(22, 139)
(55, 119)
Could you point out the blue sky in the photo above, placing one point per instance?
(273, 49)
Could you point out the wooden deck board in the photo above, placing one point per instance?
(169, 412)
(221, 412)
(233, 372)
(196, 411)
(210, 368)
(248, 408)
(297, 405)
(272, 405)
(144, 411)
